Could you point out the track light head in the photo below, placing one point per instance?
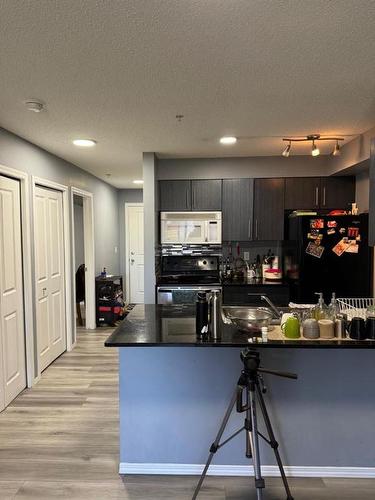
(336, 151)
(286, 151)
(314, 149)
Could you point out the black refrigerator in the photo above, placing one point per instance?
(328, 254)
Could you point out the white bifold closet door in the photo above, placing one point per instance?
(49, 275)
(12, 326)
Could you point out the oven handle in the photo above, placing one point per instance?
(170, 290)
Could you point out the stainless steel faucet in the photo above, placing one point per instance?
(277, 313)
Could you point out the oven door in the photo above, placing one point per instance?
(181, 294)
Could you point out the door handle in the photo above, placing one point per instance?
(316, 196)
(324, 196)
(256, 229)
(249, 229)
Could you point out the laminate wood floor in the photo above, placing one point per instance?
(59, 440)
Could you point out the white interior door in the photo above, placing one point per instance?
(49, 275)
(12, 326)
(135, 254)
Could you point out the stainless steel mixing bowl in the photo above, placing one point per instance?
(248, 319)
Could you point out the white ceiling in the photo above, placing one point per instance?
(119, 71)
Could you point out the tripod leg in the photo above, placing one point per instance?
(215, 444)
(273, 442)
(254, 440)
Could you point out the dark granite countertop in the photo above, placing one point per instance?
(174, 326)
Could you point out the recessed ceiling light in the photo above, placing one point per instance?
(138, 181)
(84, 143)
(228, 140)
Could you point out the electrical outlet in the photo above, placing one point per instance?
(246, 255)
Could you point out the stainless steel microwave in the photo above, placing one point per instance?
(190, 228)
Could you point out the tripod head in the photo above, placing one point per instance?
(251, 361)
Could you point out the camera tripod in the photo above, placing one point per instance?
(250, 389)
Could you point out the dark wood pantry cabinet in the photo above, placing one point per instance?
(269, 209)
(237, 209)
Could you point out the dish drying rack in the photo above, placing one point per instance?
(355, 307)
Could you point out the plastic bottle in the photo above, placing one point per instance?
(320, 311)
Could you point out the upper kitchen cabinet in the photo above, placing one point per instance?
(199, 195)
(174, 195)
(206, 194)
(302, 193)
(238, 197)
(269, 209)
(337, 192)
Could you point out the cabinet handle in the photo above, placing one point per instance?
(186, 199)
(324, 196)
(316, 196)
(256, 229)
(249, 229)
(193, 197)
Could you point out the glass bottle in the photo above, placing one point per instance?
(333, 308)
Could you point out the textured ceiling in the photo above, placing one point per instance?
(119, 71)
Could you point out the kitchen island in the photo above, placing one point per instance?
(173, 399)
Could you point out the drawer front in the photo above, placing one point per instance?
(234, 295)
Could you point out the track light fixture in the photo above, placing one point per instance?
(336, 151)
(286, 151)
(315, 151)
(314, 148)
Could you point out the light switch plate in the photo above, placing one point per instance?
(246, 255)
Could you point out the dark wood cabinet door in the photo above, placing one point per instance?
(337, 192)
(237, 211)
(302, 193)
(174, 195)
(269, 209)
(206, 194)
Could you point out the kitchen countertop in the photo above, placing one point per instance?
(252, 282)
(174, 326)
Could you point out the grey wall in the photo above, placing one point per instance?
(150, 203)
(125, 196)
(227, 168)
(79, 243)
(362, 191)
(18, 153)
(325, 418)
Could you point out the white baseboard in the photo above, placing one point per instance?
(245, 470)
